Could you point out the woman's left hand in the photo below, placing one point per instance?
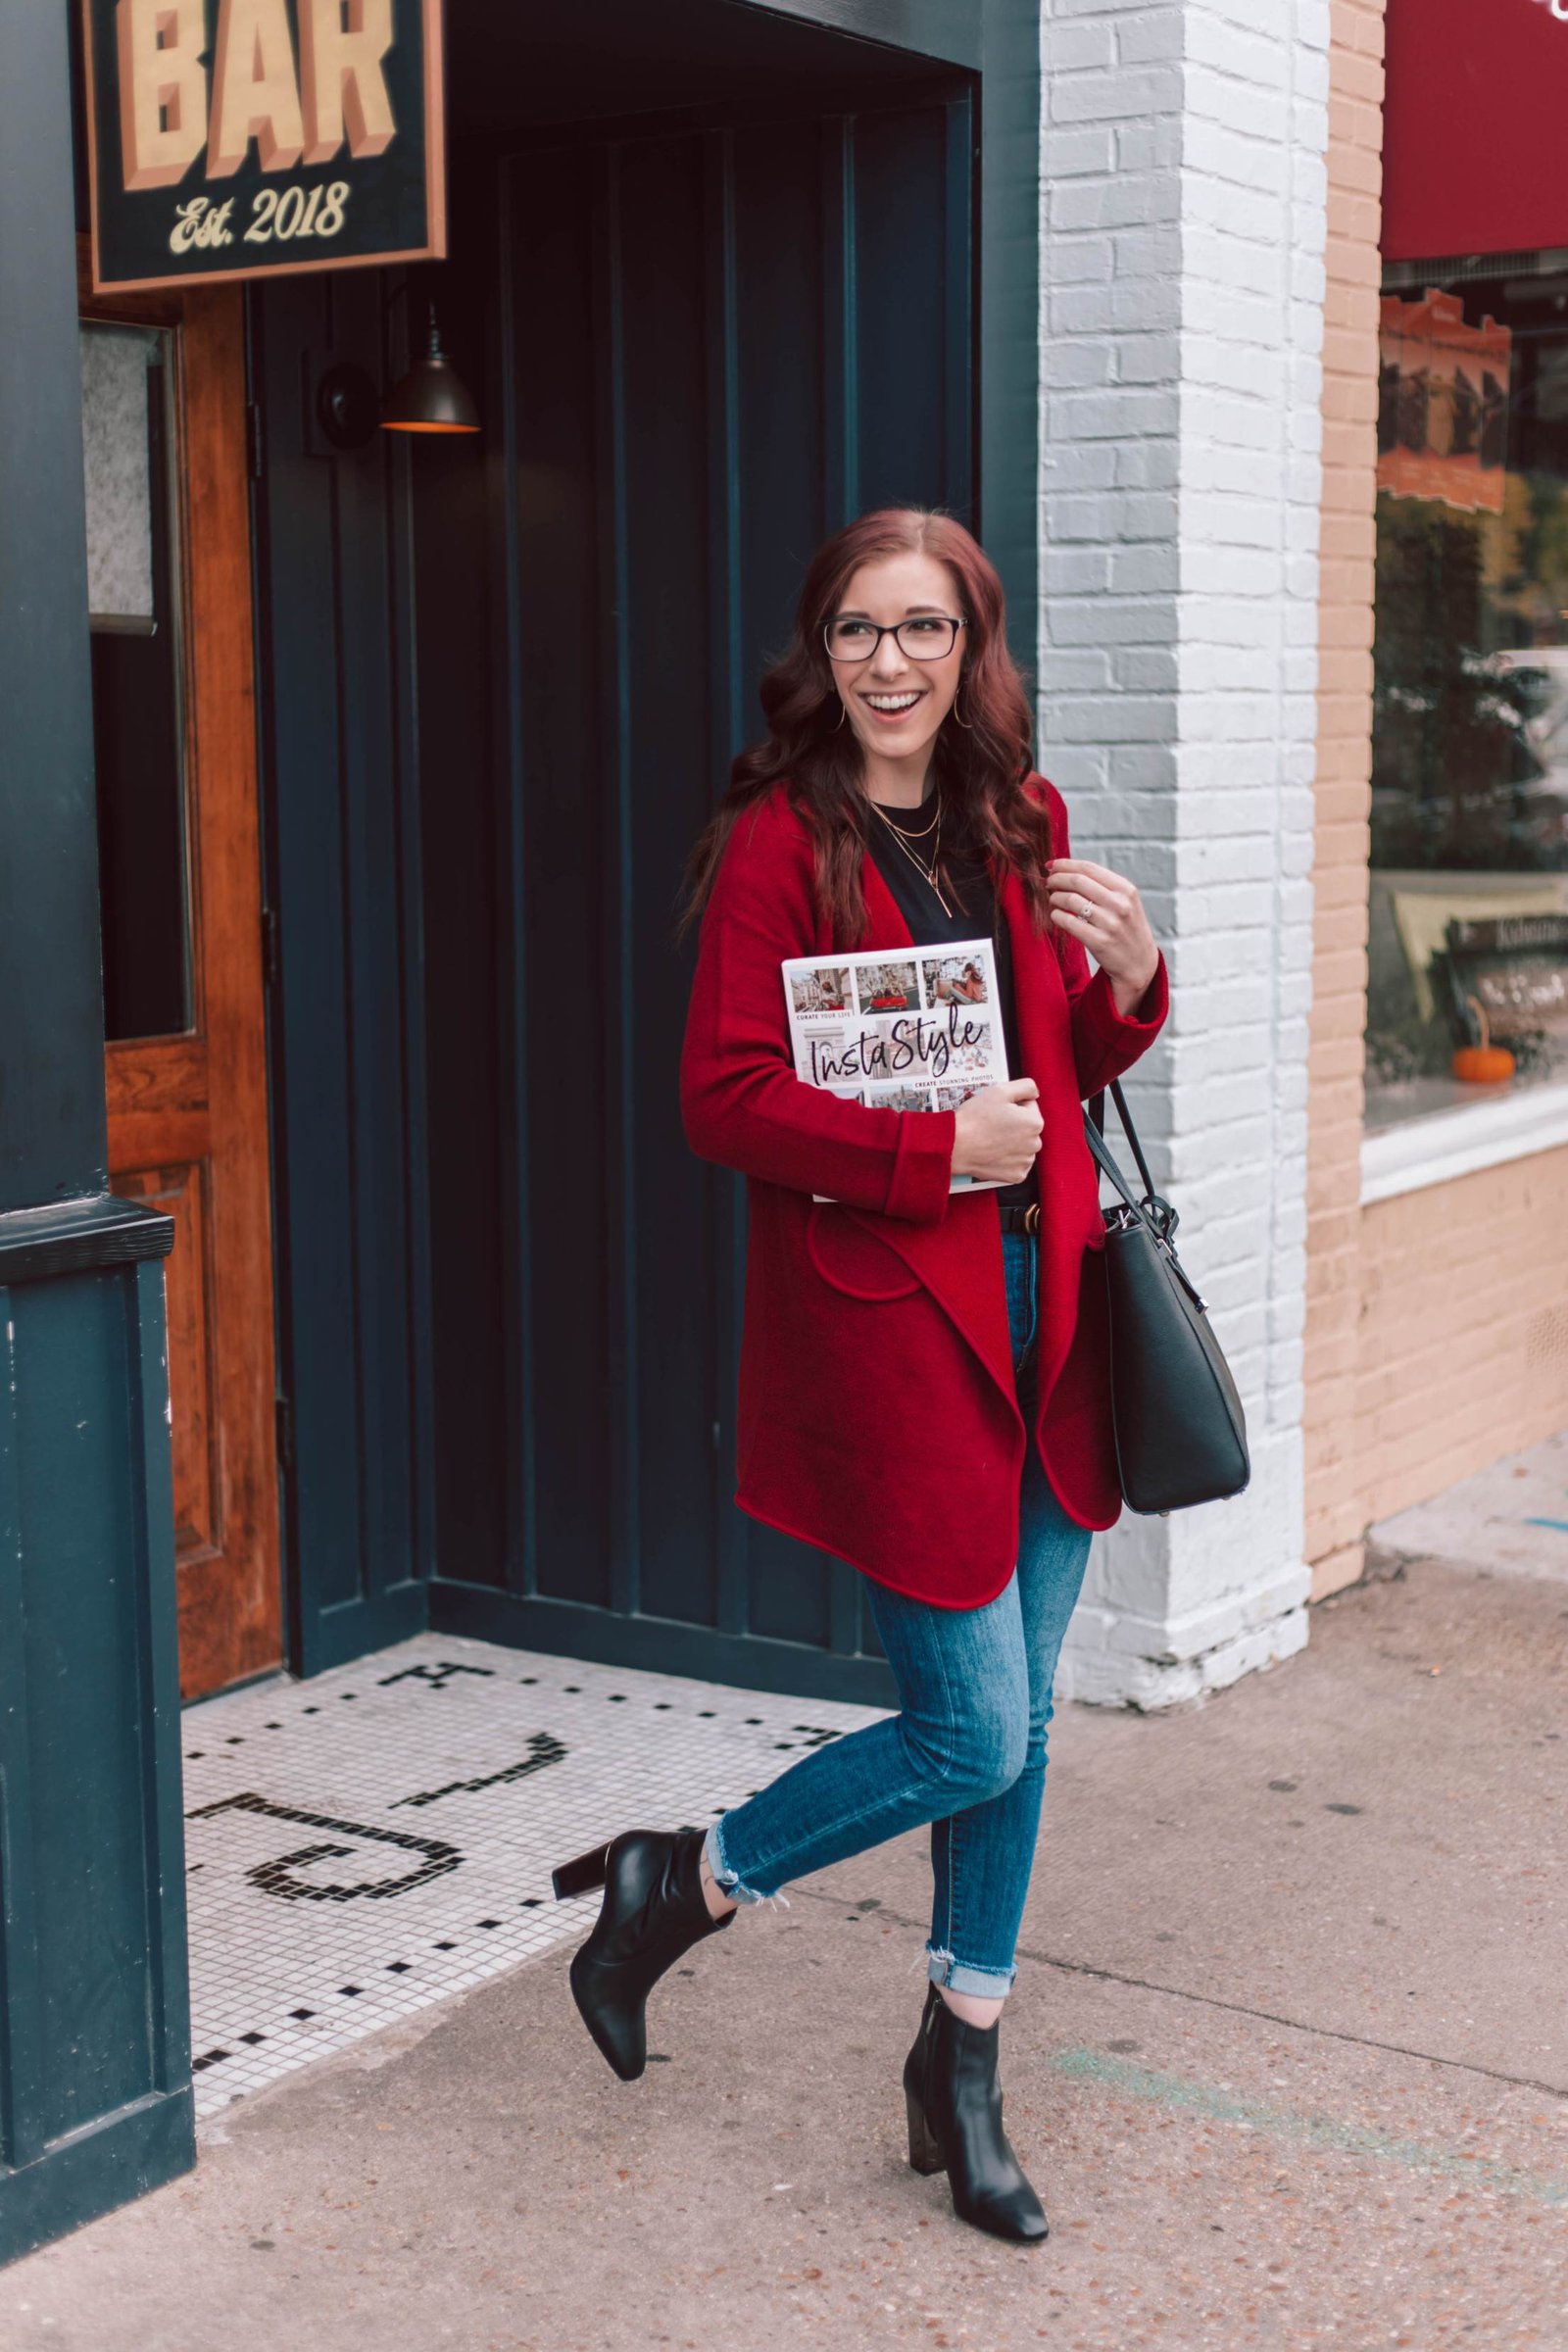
(1105, 911)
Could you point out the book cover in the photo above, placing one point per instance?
(913, 1029)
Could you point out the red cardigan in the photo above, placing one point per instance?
(879, 1413)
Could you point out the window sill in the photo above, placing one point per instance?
(1446, 1144)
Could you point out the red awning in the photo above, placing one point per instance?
(1474, 157)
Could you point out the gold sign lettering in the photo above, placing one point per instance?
(339, 92)
(254, 94)
(341, 77)
(163, 89)
(227, 138)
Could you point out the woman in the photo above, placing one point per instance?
(968, 988)
(892, 805)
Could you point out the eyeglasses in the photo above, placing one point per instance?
(926, 638)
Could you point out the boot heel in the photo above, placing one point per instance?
(926, 2156)
(580, 1877)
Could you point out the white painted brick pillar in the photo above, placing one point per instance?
(1180, 309)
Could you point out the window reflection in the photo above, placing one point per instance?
(1468, 979)
(139, 728)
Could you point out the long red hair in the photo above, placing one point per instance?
(979, 764)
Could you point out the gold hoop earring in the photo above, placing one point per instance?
(958, 715)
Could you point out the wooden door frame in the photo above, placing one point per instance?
(221, 1063)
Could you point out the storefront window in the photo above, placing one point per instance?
(1468, 948)
(138, 731)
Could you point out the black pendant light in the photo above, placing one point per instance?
(432, 398)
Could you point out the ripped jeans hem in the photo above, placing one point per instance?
(957, 1976)
(726, 1879)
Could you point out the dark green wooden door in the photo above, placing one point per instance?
(505, 679)
(716, 345)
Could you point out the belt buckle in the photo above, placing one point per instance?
(1031, 1217)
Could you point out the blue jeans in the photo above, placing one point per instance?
(966, 1751)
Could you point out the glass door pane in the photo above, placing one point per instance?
(138, 711)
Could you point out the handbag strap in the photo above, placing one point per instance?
(1096, 1113)
(1157, 1216)
(1104, 1159)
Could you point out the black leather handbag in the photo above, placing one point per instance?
(1180, 1434)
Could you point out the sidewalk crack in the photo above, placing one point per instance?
(1270, 2017)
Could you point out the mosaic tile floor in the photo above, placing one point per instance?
(362, 1844)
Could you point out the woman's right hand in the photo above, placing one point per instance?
(997, 1133)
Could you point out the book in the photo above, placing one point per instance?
(910, 1029)
(1516, 967)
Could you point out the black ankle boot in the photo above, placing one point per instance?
(954, 2109)
(652, 1911)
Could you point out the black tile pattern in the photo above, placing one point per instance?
(301, 1943)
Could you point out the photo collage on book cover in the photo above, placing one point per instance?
(912, 1031)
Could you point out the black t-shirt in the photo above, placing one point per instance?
(974, 917)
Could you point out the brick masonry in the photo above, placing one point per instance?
(1183, 238)
(1332, 1435)
(1210, 212)
(1464, 1329)
(1437, 1322)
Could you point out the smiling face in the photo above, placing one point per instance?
(896, 701)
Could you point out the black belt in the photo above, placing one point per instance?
(1019, 1216)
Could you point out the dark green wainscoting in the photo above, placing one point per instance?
(95, 2102)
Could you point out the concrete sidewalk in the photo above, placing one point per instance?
(1288, 2059)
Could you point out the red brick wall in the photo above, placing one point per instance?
(1464, 1334)
(1335, 1516)
(1437, 1322)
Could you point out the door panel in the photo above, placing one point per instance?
(344, 868)
(174, 725)
(753, 333)
(559, 1532)
(507, 678)
(655, 659)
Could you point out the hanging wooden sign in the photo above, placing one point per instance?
(235, 138)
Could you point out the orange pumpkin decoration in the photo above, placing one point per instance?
(1485, 1064)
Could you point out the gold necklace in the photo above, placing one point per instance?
(908, 833)
(928, 874)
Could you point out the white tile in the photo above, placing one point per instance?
(263, 1942)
